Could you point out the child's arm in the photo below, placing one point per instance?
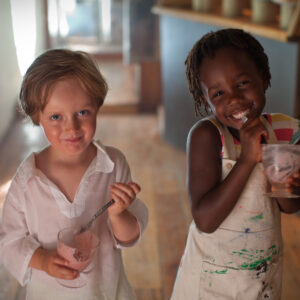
(51, 263)
(212, 199)
(124, 225)
(128, 217)
(16, 243)
(19, 250)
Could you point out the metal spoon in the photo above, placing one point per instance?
(97, 214)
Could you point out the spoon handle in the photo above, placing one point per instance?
(97, 214)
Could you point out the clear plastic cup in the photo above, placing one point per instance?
(79, 251)
(280, 161)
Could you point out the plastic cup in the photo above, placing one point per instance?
(280, 161)
(79, 251)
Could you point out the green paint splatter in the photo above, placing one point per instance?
(254, 258)
(216, 271)
(260, 251)
(253, 265)
(243, 252)
(258, 217)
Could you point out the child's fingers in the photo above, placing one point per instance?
(124, 190)
(293, 189)
(58, 267)
(135, 187)
(123, 194)
(120, 203)
(60, 260)
(119, 195)
(67, 273)
(255, 127)
(294, 179)
(293, 183)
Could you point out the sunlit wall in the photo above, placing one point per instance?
(10, 77)
(24, 27)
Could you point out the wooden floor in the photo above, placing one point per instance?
(160, 170)
(122, 79)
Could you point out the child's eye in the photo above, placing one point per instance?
(83, 112)
(55, 117)
(217, 94)
(243, 83)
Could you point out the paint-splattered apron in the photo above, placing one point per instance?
(242, 259)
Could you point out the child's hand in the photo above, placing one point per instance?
(123, 194)
(56, 266)
(251, 135)
(293, 183)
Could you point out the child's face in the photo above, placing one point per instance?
(69, 118)
(232, 86)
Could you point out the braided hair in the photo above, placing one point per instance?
(208, 45)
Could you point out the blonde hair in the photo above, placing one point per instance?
(56, 65)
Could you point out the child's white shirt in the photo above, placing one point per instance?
(35, 210)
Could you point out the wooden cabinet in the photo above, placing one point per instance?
(271, 30)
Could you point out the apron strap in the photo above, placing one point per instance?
(229, 149)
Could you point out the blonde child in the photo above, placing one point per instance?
(234, 247)
(65, 183)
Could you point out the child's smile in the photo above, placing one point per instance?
(233, 93)
(241, 115)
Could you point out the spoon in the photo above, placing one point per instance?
(97, 214)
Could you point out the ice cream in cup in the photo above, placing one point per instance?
(78, 250)
(280, 161)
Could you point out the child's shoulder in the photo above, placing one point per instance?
(26, 168)
(23, 173)
(205, 125)
(114, 154)
(205, 130)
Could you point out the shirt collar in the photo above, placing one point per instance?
(101, 163)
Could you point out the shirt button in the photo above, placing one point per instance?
(228, 165)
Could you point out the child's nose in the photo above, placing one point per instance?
(71, 124)
(235, 96)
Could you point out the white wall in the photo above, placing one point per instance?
(10, 77)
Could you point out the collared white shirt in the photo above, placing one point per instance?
(35, 210)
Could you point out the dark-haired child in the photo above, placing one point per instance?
(234, 246)
(65, 184)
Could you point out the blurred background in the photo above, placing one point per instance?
(141, 46)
